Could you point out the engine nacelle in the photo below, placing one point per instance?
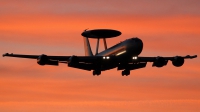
(178, 61)
(43, 60)
(160, 62)
(73, 60)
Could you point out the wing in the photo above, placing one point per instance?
(162, 61)
(62, 59)
(81, 62)
(59, 58)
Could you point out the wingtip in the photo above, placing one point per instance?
(191, 57)
(7, 54)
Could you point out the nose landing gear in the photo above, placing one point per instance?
(125, 72)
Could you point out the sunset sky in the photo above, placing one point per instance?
(54, 27)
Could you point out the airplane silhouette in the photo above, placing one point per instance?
(124, 55)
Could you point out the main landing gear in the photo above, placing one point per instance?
(96, 72)
(125, 72)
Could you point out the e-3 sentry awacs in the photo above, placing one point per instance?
(123, 56)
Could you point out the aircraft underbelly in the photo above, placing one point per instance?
(90, 66)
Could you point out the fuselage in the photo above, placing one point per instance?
(128, 48)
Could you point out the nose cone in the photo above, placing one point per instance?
(136, 46)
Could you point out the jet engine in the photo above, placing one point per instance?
(160, 62)
(178, 61)
(43, 60)
(73, 60)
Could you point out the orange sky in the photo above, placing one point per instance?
(167, 28)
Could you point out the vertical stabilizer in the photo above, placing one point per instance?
(88, 51)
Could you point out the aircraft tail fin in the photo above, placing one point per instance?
(88, 51)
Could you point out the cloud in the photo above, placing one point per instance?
(48, 33)
(137, 7)
(155, 105)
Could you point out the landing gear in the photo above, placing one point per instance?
(125, 72)
(96, 72)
